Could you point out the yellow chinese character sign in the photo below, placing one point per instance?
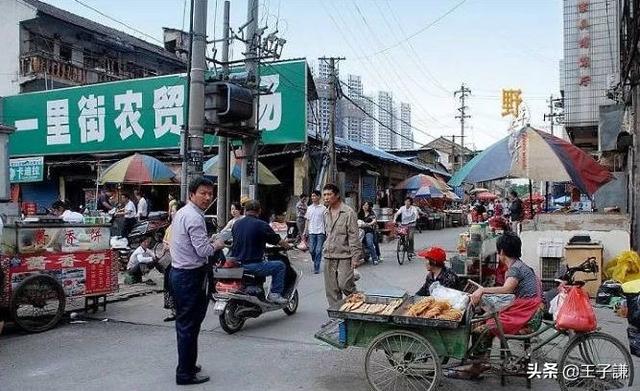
(511, 102)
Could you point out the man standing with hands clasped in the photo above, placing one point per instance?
(190, 247)
(342, 248)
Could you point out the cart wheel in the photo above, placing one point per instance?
(402, 360)
(292, 306)
(595, 350)
(38, 303)
(229, 322)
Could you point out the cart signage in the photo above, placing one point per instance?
(142, 114)
(62, 239)
(28, 169)
(79, 273)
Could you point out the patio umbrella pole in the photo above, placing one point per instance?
(531, 198)
(546, 196)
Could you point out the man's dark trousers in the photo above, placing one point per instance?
(189, 291)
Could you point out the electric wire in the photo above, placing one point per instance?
(399, 77)
(415, 56)
(368, 63)
(118, 21)
(374, 118)
(423, 29)
(422, 131)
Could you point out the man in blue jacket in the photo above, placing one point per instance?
(250, 236)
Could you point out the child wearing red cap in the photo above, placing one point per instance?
(437, 271)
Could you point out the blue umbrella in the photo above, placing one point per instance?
(429, 192)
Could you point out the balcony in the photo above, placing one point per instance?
(39, 64)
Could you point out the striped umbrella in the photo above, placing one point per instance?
(421, 180)
(138, 169)
(537, 155)
(265, 176)
(429, 192)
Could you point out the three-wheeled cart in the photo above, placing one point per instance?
(44, 263)
(403, 352)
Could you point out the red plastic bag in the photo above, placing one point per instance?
(576, 312)
(303, 246)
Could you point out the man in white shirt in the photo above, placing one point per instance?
(129, 214)
(141, 262)
(408, 214)
(142, 207)
(59, 209)
(314, 229)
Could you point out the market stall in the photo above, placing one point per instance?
(477, 259)
(45, 261)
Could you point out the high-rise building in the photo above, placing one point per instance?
(385, 116)
(351, 117)
(367, 135)
(591, 65)
(354, 87)
(406, 139)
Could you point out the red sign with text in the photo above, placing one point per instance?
(80, 273)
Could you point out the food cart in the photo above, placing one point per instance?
(45, 261)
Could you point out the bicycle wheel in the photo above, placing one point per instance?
(402, 360)
(595, 361)
(38, 303)
(401, 251)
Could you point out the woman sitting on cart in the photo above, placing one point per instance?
(437, 271)
(521, 281)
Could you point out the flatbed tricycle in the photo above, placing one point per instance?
(410, 353)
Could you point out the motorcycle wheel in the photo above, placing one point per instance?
(292, 306)
(229, 322)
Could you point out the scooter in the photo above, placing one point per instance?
(239, 296)
(154, 227)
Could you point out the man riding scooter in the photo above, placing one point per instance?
(250, 235)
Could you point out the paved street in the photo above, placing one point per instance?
(129, 347)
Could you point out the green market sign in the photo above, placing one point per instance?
(29, 169)
(142, 114)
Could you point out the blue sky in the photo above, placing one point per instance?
(487, 44)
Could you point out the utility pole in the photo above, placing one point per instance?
(195, 138)
(331, 144)
(463, 92)
(453, 153)
(554, 117)
(223, 142)
(248, 182)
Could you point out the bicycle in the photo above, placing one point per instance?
(409, 353)
(402, 250)
(596, 350)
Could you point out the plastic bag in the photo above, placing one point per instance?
(633, 334)
(496, 302)
(631, 286)
(624, 267)
(119, 242)
(302, 246)
(633, 309)
(576, 312)
(458, 299)
(557, 302)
